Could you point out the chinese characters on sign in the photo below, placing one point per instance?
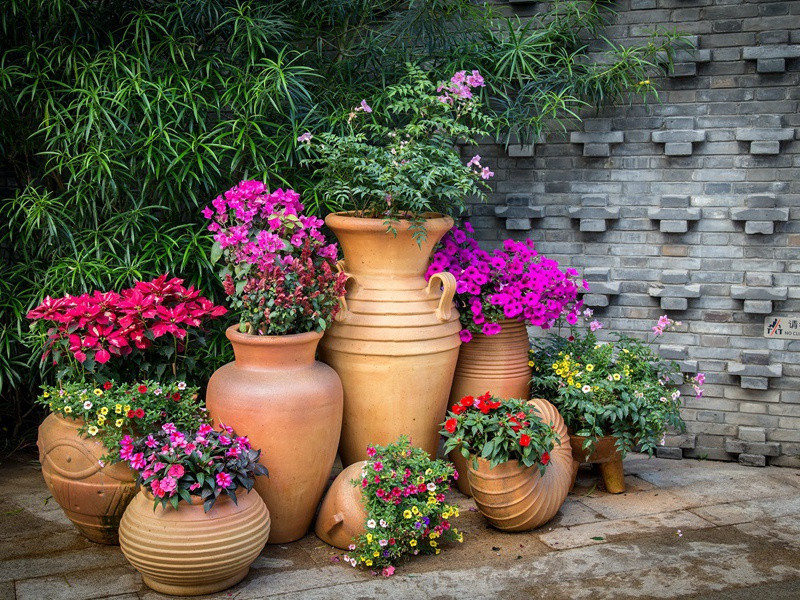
(782, 327)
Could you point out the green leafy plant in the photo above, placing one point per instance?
(398, 158)
(620, 388)
(403, 491)
(499, 430)
(110, 411)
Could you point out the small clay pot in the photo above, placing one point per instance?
(187, 552)
(491, 363)
(342, 516)
(605, 454)
(513, 497)
(93, 496)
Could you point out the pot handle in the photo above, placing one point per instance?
(331, 522)
(448, 283)
(343, 311)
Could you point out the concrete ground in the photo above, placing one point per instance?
(684, 529)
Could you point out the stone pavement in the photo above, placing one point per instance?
(685, 529)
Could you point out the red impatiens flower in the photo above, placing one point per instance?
(467, 401)
(142, 389)
(457, 409)
(108, 385)
(525, 440)
(545, 458)
(450, 425)
(131, 414)
(140, 413)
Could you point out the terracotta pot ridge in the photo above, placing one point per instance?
(284, 351)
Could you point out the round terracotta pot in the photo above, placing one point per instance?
(491, 363)
(91, 495)
(342, 515)
(605, 454)
(187, 552)
(395, 341)
(517, 498)
(290, 406)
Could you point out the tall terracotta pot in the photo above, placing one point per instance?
(395, 343)
(92, 496)
(491, 363)
(513, 497)
(290, 406)
(187, 552)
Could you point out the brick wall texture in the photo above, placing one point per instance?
(687, 206)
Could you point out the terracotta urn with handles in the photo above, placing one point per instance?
(395, 342)
(491, 363)
(290, 406)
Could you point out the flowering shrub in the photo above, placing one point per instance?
(111, 411)
(175, 466)
(279, 274)
(150, 324)
(620, 388)
(404, 494)
(499, 431)
(400, 160)
(513, 283)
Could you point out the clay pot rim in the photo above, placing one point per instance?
(348, 221)
(289, 339)
(197, 501)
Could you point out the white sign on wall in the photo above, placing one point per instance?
(785, 327)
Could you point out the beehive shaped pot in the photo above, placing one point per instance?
(92, 495)
(605, 454)
(491, 363)
(187, 552)
(517, 498)
(342, 515)
(290, 406)
(395, 343)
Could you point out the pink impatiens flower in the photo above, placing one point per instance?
(224, 480)
(595, 325)
(306, 137)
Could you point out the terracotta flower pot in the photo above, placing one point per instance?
(395, 343)
(517, 498)
(604, 454)
(342, 515)
(491, 363)
(92, 496)
(290, 406)
(187, 552)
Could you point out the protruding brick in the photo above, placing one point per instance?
(753, 460)
(770, 147)
(759, 227)
(671, 453)
(752, 434)
(757, 307)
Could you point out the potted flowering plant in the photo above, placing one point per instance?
(403, 508)
(509, 445)
(393, 168)
(614, 395)
(499, 294)
(188, 531)
(120, 360)
(281, 278)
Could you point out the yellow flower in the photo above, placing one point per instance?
(46, 394)
(616, 376)
(98, 392)
(92, 430)
(530, 363)
(455, 512)
(460, 537)
(438, 550)
(590, 367)
(376, 553)
(415, 510)
(101, 421)
(645, 82)
(369, 537)
(104, 410)
(407, 514)
(126, 408)
(626, 351)
(412, 543)
(119, 422)
(433, 543)
(433, 535)
(555, 365)
(368, 562)
(67, 409)
(428, 471)
(118, 408)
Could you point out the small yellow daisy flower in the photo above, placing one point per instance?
(407, 514)
(101, 421)
(92, 430)
(412, 543)
(433, 543)
(616, 376)
(368, 562)
(590, 367)
(67, 409)
(126, 408)
(118, 408)
(104, 410)
(415, 510)
(369, 537)
(46, 394)
(376, 553)
(119, 422)
(98, 392)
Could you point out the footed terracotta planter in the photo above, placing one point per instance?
(604, 454)
(187, 552)
(395, 342)
(91, 495)
(491, 363)
(290, 406)
(513, 497)
(342, 515)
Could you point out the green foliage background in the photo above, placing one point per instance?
(121, 118)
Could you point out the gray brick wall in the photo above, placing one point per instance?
(691, 207)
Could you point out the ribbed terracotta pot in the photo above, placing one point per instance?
(342, 515)
(395, 343)
(92, 496)
(517, 498)
(290, 406)
(187, 552)
(604, 454)
(491, 363)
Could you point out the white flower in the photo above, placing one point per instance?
(181, 385)
(586, 389)
(87, 405)
(371, 523)
(351, 547)
(157, 391)
(346, 558)
(383, 542)
(431, 487)
(383, 523)
(676, 394)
